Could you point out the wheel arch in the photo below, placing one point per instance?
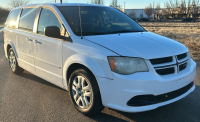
(11, 45)
(78, 60)
(7, 49)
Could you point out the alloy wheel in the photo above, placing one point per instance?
(81, 91)
(12, 60)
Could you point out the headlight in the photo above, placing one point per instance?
(126, 65)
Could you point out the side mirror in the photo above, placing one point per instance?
(52, 31)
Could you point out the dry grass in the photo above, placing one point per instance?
(186, 33)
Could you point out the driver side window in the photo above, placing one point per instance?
(47, 18)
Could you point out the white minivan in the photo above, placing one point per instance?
(98, 54)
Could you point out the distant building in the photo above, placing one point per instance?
(139, 13)
(164, 13)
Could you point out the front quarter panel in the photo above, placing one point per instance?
(91, 55)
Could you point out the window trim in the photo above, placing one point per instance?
(24, 29)
(38, 18)
(58, 17)
(16, 18)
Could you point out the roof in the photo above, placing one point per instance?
(59, 4)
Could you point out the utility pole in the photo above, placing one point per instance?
(124, 7)
(61, 1)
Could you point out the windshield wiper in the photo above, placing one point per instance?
(93, 33)
(125, 31)
(90, 33)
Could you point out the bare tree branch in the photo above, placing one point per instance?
(157, 10)
(132, 14)
(148, 10)
(188, 7)
(116, 4)
(194, 8)
(183, 7)
(16, 3)
(100, 2)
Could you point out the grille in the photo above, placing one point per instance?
(182, 66)
(174, 94)
(167, 64)
(161, 60)
(182, 56)
(166, 71)
(144, 100)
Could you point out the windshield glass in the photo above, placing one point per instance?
(98, 20)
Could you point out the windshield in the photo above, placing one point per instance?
(98, 20)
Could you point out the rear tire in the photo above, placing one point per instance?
(84, 92)
(13, 62)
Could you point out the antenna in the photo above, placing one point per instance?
(80, 19)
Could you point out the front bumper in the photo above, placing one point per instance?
(116, 93)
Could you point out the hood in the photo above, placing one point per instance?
(145, 45)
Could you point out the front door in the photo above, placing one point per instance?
(48, 50)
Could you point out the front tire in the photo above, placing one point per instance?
(13, 62)
(84, 92)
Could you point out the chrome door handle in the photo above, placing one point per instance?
(36, 41)
(29, 40)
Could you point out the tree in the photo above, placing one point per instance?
(183, 8)
(100, 2)
(3, 14)
(16, 3)
(170, 6)
(188, 8)
(148, 10)
(153, 7)
(115, 4)
(132, 14)
(157, 10)
(194, 8)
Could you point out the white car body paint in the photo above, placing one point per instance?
(51, 59)
(137, 44)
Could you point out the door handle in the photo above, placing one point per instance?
(36, 41)
(29, 40)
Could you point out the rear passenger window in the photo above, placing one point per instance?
(27, 19)
(12, 19)
(47, 18)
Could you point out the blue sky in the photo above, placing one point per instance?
(129, 3)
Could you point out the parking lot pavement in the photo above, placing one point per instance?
(27, 98)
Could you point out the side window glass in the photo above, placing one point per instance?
(12, 19)
(27, 19)
(47, 18)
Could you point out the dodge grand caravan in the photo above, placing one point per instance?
(98, 54)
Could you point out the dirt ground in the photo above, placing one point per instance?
(186, 33)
